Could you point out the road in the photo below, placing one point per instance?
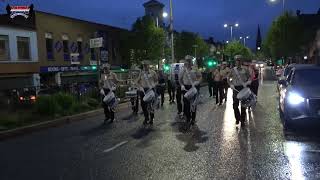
(215, 149)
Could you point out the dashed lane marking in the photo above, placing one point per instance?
(115, 147)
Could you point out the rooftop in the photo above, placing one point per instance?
(153, 3)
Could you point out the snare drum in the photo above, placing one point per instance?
(247, 98)
(149, 95)
(131, 94)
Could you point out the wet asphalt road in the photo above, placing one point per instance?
(215, 149)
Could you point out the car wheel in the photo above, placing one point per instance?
(286, 122)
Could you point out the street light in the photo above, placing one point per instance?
(227, 42)
(244, 39)
(171, 29)
(231, 28)
(164, 15)
(258, 48)
(283, 3)
(195, 50)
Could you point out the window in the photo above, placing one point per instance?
(4, 48)
(49, 45)
(65, 44)
(23, 44)
(79, 45)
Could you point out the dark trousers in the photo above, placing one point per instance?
(108, 112)
(187, 106)
(160, 91)
(225, 88)
(255, 86)
(239, 116)
(148, 115)
(211, 88)
(179, 97)
(135, 103)
(171, 91)
(219, 91)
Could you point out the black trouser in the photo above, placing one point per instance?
(148, 115)
(171, 90)
(255, 86)
(187, 106)
(179, 97)
(108, 112)
(239, 117)
(160, 91)
(211, 88)
(225, 88)
(219, 92)
(135, 105)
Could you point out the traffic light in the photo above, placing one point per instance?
(212, 63)
(166, 67)
(93, 68)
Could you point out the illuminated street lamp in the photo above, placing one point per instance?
(231, 28)
(244, 39)
(164, 15)
(283, 3)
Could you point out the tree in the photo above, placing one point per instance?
(285, 37)
(236, 48)
(147, 41)
(185, 42)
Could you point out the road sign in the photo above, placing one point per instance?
(74, 58)
(93, 63)
(96, 42)
(104, 55)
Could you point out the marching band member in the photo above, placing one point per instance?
(239, 79)
(109, 81)
(148, 80)
(189, 79)
(217, 76)
(225, 73)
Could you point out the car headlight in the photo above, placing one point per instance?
(295, 98)
(261, 65)
(257, 65)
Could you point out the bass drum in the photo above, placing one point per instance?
(247, 98)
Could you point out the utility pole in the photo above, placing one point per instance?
(171, 30)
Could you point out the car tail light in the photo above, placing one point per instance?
(33, 98)
(21, 98)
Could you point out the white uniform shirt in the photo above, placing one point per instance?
(243, 77)
(109, 80)
(191, 78)
(148, 78)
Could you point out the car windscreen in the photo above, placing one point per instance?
(306, 77)
(287, 71)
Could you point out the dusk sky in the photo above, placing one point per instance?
(205, 17)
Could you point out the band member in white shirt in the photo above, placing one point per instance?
(188, 78)
(225, 72)
(109, 81)
(239, 79)
(147, 80)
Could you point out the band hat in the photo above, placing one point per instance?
(106, 65)
(224, 63)
(146, 62)
(238, 57)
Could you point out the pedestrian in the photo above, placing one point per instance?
(218, 85)
(171, 87)
(190, 80)
(210, 82)
(161, 85)
(225, 73)
(254, 78)
(147, 80)
(175, 74)
(109, 81)
(239, 79)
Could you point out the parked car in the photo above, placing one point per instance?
(299, 101)
(27, 96)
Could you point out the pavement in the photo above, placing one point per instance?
(214, 149)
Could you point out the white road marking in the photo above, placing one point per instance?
(115, 147)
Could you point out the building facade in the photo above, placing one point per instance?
(19, 60)
(40, 49)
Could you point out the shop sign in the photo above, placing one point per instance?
(96, 42)
(74, 58)
(19, 11)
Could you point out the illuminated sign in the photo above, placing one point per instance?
(19, 11)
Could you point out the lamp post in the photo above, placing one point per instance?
(231, 28)
(244, 39)
(195, 50)
(164, 15)
(171, 29)
(283, 3)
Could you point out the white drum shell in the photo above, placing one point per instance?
(191, 93)
(149, 95)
